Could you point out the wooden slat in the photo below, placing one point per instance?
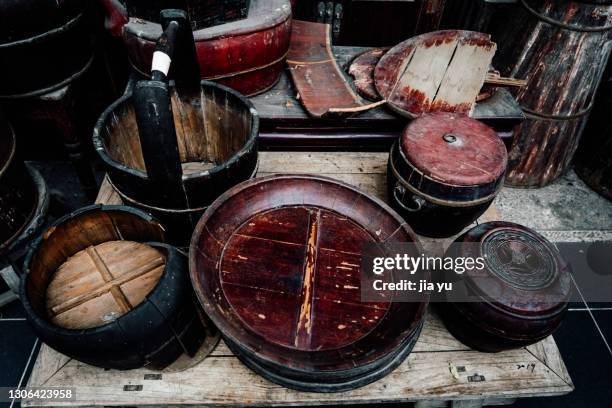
(315, 72)
(438, 369)
(102, 282)
(225, 381)
(465, 75)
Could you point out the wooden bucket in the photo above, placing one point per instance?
(444, 172)
(561, 48)
(247, 55)
(217, 131)
(102, 287)
(523, 291)
(23, 197)
(258, 253)
(202, 13)
(45, 44)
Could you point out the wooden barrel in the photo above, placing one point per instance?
(23, 197)
(202, 13)
(101, 286)
(276, 264)
(216, 130)
(561, 48)
(521, 294)
(444, 172)
(45, 45)
(247, 55)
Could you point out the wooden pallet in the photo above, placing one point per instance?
(439, 372)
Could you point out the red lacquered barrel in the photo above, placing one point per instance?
(247, 55)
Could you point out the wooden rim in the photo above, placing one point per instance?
(471, 244)
(339, 384)
(99, 144)
(458, 192)
(36, 244)
(206, 279)
(153, 30)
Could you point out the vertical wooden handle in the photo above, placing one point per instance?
(158, 140)
(164, 51)
(185, 67)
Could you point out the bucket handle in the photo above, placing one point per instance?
(416, 200)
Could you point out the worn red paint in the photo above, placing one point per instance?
(390, 70)
(276, 264)
(362, 70)
(559, 89)
(475, 157)
(247, 55)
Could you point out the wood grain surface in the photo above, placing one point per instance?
(439, 71)
(440, 369)
(102, 282)
(315, 72)
(247, 55)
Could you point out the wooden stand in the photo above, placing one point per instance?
(285, 124)
(438, 372)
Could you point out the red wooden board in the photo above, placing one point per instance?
(362, 71)
(320, 83)
(438, 71)
(276, 264)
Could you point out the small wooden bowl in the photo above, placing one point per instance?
(276, 264)
(94, 291)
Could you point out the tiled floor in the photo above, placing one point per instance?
(562, 212)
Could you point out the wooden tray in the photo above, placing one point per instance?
(439, 370)
(276, 264)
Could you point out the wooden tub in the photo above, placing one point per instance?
(216, 130)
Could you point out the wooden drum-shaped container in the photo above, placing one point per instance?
(44, 45)
(276, 264)
(23, 197)
(444, 172)
(561, 48)
(101, 286)
(520, 295)
(247, 55)
(216, 132)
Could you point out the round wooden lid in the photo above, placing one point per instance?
(102, 283)
(524, 274)
(437, 71)
(362, 71)
(454, 149)
(276, 264)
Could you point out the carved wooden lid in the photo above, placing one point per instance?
(524, 274)
(454, 149)
(276, 264)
